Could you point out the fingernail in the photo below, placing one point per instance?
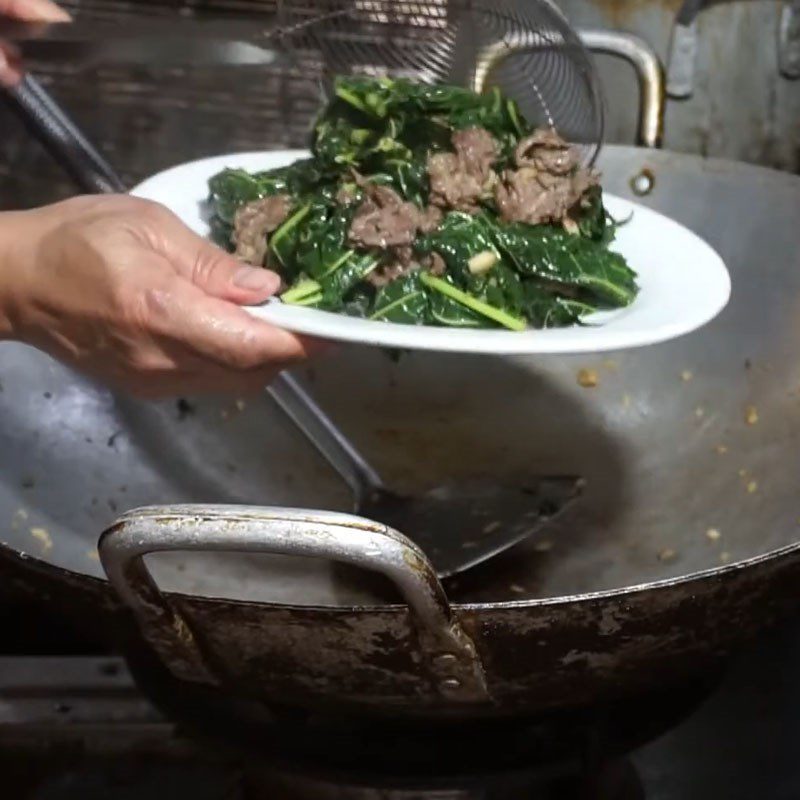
(256, 280)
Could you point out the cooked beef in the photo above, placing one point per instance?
(429, 219)
(547, 184)
(477, 150)
(387, 273)
(401, 261)
(524, 195)
(383, 219)
(460, 180)
(404, 256)
(252, 224)
(545, 150)
(435, 264)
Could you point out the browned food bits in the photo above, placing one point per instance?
(588, 378)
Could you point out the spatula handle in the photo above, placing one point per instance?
(340, 453)
(47, 123)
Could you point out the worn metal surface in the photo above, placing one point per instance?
(789, 39)
(139, 43)
(689, 450)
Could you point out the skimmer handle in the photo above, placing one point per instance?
(634, 50)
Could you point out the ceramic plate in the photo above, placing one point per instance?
(683, 282)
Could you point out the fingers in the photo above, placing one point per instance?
(33, 11)
(222, 276)
(27, 11)
(201, 309)
(222, 332)
(10, 70)
(208, 267)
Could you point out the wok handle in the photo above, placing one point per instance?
(650, 72)
(449, 654)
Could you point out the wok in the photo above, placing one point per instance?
(684, 543)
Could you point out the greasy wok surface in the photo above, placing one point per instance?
(690, 449)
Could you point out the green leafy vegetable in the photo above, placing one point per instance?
(472, 270)
(473, 304)
(404, 300)
(561, 258)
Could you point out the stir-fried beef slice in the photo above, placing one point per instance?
(460, 180)
(429, 219)
(383, 219)
(548, 183)
(252, 224)
(451, 187)
(546, 151)
(401, 261)
(477, 151)
(435, 264)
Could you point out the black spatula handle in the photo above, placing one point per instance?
(46, 122)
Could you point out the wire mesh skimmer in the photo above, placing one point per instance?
(526, 48)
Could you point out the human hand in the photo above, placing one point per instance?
(120, 289)
(27, 11)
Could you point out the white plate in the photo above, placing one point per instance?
(683, 282)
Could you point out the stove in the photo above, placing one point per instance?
(76, 726)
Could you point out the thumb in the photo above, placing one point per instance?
(210, 268)
(220, 275)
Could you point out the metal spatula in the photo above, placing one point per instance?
(457, 525)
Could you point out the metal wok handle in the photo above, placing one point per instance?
(450, 655)
(649, 70)
(634, 50)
